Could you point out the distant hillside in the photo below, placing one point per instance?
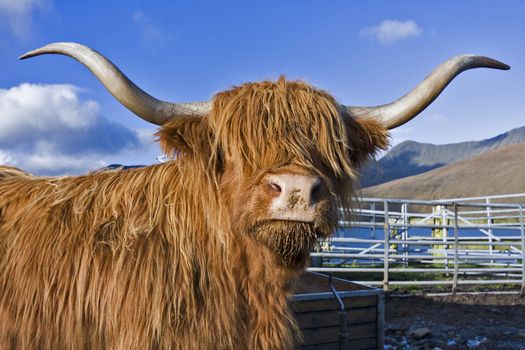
(501, 171)
(412, 158)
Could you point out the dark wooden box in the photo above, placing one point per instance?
(317, 313)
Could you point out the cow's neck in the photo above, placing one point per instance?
(266, 290)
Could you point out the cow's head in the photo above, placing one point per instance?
(284, 154)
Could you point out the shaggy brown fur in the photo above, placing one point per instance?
(179, 255)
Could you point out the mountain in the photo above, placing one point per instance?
(500, 171)
(412, 158)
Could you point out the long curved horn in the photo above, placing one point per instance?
(407, 107)
(124, 90)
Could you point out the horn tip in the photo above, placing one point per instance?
(504, 66)
(27, 55)
(499, 65)
(57, 47)
(33, 53)
(492, 63)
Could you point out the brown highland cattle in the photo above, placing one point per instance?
(198, 252)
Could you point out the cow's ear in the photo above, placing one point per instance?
(185, 135)
(366, 137)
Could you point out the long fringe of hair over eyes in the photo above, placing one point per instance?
(268, 124)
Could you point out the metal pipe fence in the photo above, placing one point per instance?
(454, 242)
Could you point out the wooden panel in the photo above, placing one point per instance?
(331, 334)
(381, 321)
(331, 318)
(332, 304)
(361, 344)
(362, 331)
(326, 346)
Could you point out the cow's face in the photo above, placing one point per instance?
(285, 156)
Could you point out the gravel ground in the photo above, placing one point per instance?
(491, 322)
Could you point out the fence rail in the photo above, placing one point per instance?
(460, 241)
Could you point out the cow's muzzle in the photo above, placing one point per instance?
(295, 197)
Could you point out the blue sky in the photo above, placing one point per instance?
(56, 118)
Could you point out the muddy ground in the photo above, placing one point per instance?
(455, 322)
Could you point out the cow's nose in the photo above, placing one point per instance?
(295, 196)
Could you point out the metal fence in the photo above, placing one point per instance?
(460, 241)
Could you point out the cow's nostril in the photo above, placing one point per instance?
(274, 187)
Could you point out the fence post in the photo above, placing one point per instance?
(373, 209)
(444, 221)
(489, 224)
(404, 235)
(386, 228)
(456, 244)
(522, 231)
(437, 232)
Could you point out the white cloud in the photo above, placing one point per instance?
(402, 133)
(389, 31)
(436, 118)
(54, 164)
(49, 129)
(147, 135)
(4, 158)
(151, 37)
(18, 14)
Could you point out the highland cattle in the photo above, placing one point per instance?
(198, 252)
